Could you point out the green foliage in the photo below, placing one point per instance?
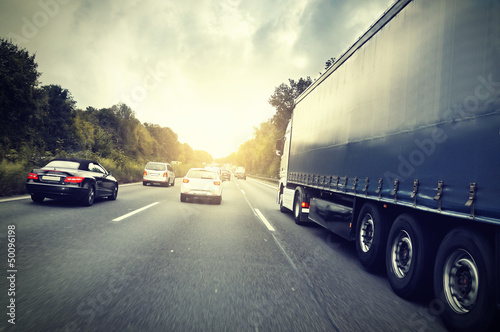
(18, 97)
(283, 100)
(10, 181)
(258, 154)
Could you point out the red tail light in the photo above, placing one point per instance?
(74, 179)
(165, 175)
(305, 205)
(32, 176)
(217, 183)
(185, 180)
(145, 173)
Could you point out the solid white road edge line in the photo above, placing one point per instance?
(134, 212)
(264, 184)
(264, 220)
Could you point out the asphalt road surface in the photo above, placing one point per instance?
(147, 262)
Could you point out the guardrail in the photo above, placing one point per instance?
(272, 180)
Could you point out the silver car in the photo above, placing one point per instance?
(159, 173)
(202, 183)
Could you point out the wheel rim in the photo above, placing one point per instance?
(366, 233)
(461, 280)
(402, 254)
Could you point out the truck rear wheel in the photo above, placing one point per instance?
(464, 281)
(408, 259)
(371, 236)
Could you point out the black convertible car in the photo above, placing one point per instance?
(68, 178)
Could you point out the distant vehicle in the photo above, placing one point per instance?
(74, 179)
(240, 173)
(202, 183)
(226, 175)
(159, 173)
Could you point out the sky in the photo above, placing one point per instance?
(204, 68)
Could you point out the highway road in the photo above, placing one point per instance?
(147, 262)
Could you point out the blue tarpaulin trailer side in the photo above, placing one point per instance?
(413, 102)
(397, 146)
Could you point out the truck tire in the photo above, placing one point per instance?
(297, 208)
(408, 259)
(464, 281)
(371, 236)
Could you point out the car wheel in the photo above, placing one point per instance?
(144, 183)
(115, 193)
(173, 182)
(89, 198)
(371, 236)
(37, 198)
(218, 200)
(464, 279)
(183, 197)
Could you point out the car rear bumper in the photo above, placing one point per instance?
(154, 179)
(57, 191)
(202, 194)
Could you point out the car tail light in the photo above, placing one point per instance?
(74, 179)
(217, 183)
(185, 180)
(165, 175)
(32, 176)
(305, 205)
(145, 173)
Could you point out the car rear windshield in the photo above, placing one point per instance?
(201, 174)
(156, 167)
(63, 164)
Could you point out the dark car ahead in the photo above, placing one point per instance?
(76, 179)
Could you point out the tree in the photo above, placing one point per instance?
(283, 100)
(57, 116)
(18, 82)
(167, 146)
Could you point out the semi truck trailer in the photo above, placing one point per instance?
(397, 147)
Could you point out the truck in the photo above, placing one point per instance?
(396, 146)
